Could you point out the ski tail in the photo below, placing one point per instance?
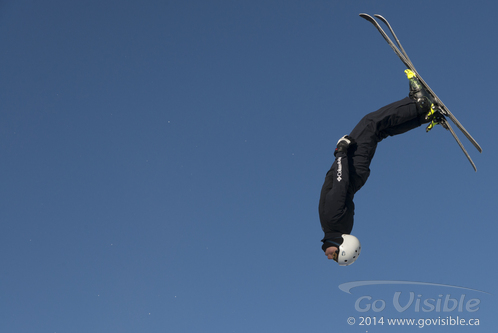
(447, 125)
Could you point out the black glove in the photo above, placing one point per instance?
(343, 144)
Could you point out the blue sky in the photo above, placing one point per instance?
(162, 162)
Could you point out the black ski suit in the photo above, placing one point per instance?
(350, 170)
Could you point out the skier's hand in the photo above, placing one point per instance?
(343, 144)
(332, 253)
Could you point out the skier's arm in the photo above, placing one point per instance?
(333, 199)
(336, 209)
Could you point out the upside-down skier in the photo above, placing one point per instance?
(350, 169)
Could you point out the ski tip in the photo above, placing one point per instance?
(367, 17)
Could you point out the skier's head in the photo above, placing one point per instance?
(347, 251)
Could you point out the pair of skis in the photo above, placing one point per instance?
(443, 110)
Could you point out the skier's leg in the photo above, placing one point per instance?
(393, 119)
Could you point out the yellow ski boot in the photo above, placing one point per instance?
(424, 101)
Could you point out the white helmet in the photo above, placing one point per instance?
(349, 250)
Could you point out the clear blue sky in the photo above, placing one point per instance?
(161, 164)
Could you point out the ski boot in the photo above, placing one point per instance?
(424, 101)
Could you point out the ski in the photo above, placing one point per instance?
(444, 111)
(409, 64)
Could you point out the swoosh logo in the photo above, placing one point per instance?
(346, 287)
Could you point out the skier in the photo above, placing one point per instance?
(350, 170)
